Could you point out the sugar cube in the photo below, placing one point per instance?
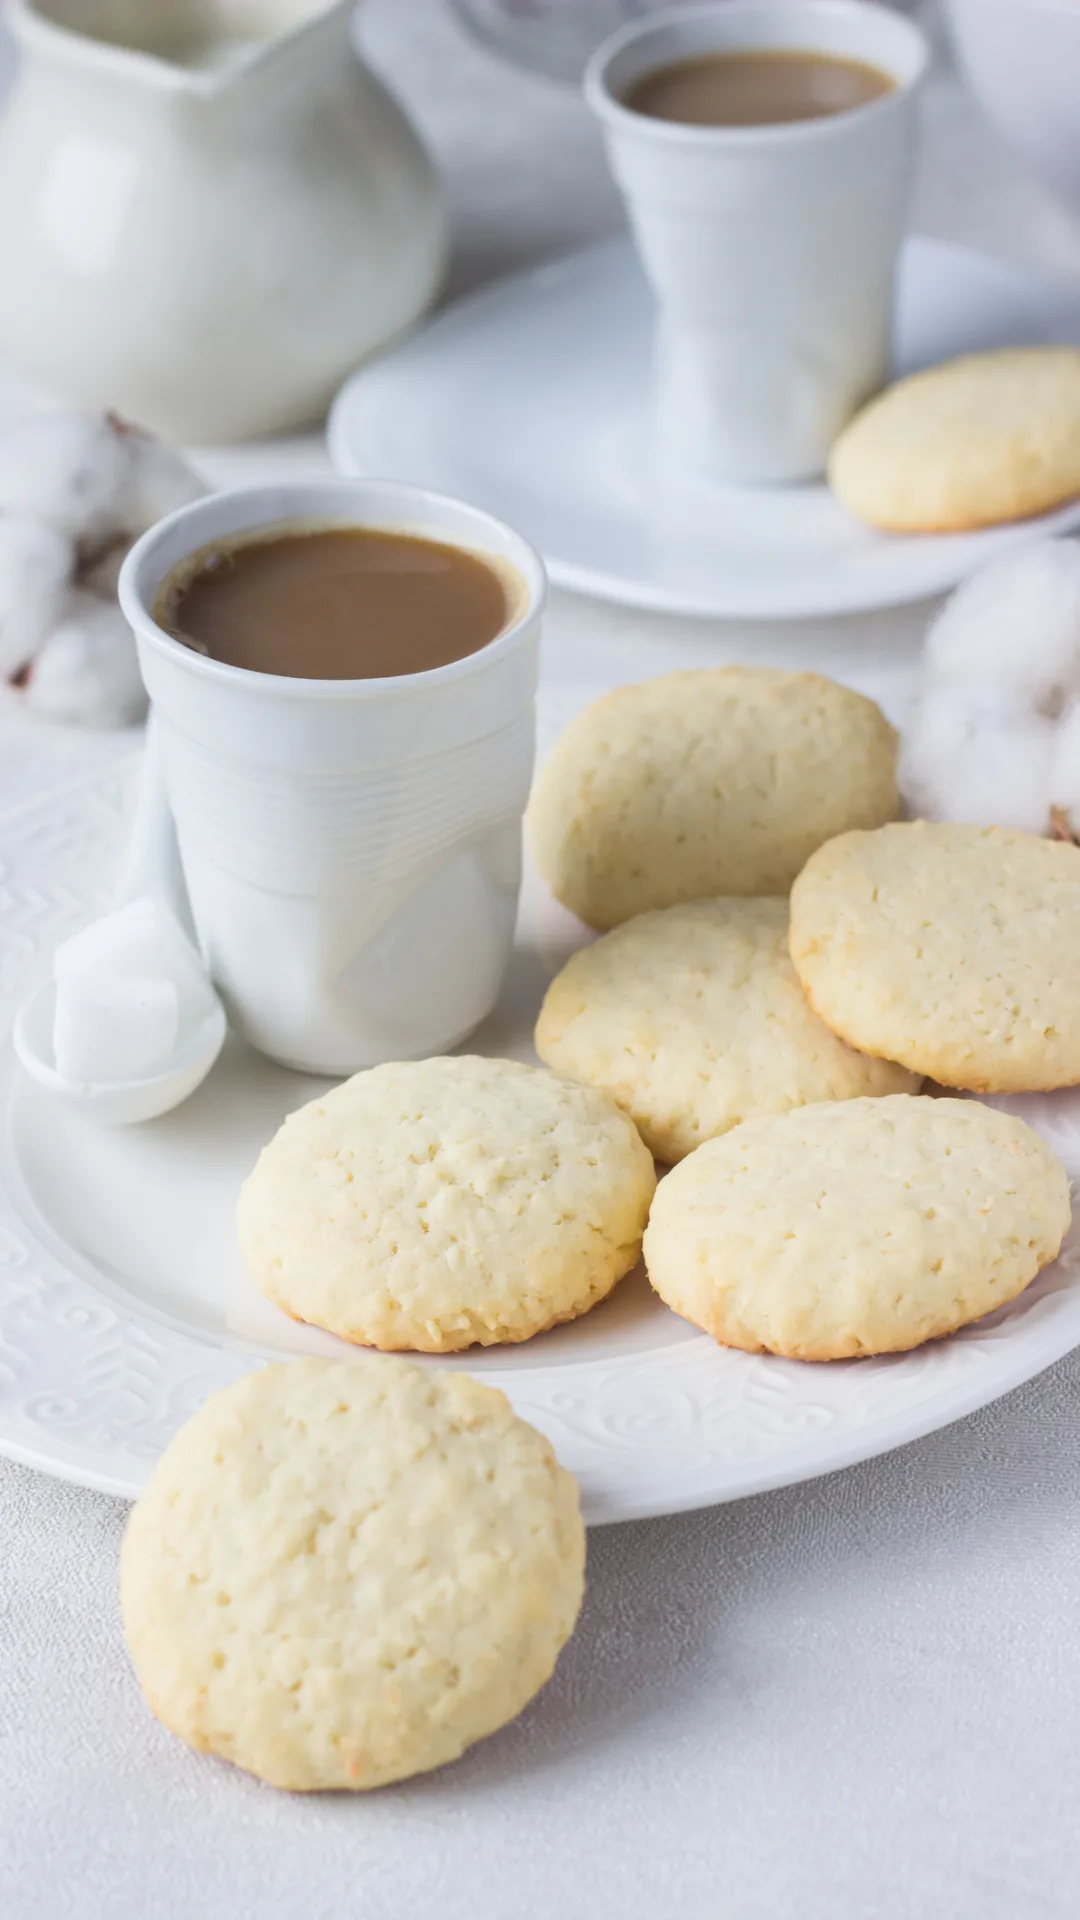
(110, 1028)
(140, 941)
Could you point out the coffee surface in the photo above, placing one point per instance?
(756, 88)
(341, 603)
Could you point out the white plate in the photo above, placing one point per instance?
(122, 1300)
(532, 399)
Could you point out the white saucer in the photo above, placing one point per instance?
(532, 399)
(123, 1302)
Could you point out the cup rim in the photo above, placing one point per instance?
(610, 109)
(304, 496)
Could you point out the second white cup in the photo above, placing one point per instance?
(351, 848)
(771, 249)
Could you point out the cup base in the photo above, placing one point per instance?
(755, 413)
(321, 1068)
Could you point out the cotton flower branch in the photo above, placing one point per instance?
(994, 736)
(75, 491)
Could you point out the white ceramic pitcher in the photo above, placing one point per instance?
(210, 209)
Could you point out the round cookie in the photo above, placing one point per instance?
(857, 1226)
(693, 1019)
(702, 783)
(953, 949)
(344, 1572)
(991, 437)
(441, 1203)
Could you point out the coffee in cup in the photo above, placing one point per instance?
(762, 87)
(336, 603)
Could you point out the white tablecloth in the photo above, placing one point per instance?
(856, 1700)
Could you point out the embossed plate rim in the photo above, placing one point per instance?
(686, 1426)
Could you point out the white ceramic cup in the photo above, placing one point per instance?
(351, 848)
(771, 249)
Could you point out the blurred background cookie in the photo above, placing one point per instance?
(858, 1227)
(705, 782)
(954, 949)
(990, 437)
(693, 1019)
(443, 1203)
(345, 1572)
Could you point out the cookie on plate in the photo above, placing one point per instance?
(343, 1572)
(953, 949)
(856, 1226)
(988, 438)
(693, 1019)
(442, 1203)
(702, 783)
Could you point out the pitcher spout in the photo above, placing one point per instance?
(192, 46)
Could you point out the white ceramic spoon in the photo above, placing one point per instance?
(152, 870)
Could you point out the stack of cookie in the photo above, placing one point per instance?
(677, 814)
(780, 966)
(824, 1208)
(343, 1573)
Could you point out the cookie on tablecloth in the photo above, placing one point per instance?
(345, 1572)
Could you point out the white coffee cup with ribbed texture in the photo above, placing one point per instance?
(771, 248)
(351, 848)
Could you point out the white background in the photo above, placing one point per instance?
(858, 1700)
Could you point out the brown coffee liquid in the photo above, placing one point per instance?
(344, 603)
(756, 89)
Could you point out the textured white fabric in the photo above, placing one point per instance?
(857, 1700)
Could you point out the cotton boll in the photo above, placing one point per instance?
(1065, 771)
(158, 482)
(69, 469)
(35, 566)
(1016, 624)
(102, 574)
(87, 672)
(972, 753)
(75, 490)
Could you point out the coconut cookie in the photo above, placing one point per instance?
(953, 949)
(856, 1227)
(346, 1572)
(693, 1019)
(991, 437)
(441, 1203)
(705, 783)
